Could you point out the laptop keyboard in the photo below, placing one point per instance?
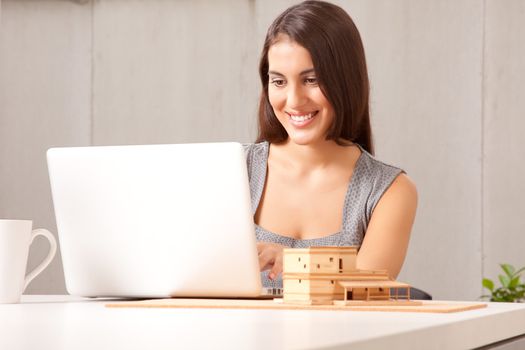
(273, 291)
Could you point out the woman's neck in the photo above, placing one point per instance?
(309, 157)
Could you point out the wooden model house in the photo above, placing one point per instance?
(327, 275)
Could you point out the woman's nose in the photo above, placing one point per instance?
(296, 96)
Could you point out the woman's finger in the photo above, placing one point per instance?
(277, 267)
(265, 260)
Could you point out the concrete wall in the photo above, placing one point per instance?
(503, 135)
(446, 98)
(173, 71)
(45, 101)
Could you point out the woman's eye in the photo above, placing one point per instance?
(277, 82)
(311, 81)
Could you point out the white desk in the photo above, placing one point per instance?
(64, 322)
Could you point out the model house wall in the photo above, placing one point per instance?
(312, 276)
(321, 260)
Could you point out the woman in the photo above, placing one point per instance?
(313, 179)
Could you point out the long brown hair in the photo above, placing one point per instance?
(334, 43)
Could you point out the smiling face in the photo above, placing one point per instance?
(295, 95)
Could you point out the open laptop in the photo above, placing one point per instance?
(155, 220)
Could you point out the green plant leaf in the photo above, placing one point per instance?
(488, 284)
(514, 282)
(505, 280)
(511, 290)
(520, 294)
(509, 269)
(519, 271)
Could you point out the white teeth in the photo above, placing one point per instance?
(302, 118)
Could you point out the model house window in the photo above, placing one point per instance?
(318, 266)
(340, 264)
(299, 259)
(331, 259)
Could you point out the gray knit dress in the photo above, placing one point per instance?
(370, 179)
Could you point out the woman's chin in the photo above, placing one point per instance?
(304, 140)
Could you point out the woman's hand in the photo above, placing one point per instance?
(270, 258)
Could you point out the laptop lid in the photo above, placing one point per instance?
(155, 220)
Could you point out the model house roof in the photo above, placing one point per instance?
(373, 284)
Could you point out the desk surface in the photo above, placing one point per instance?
(65, 322)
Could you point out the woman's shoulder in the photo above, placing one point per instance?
(376, 168)
(381, 177)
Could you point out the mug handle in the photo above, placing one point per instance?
(49, 257)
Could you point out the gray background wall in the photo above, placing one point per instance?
(447, 105)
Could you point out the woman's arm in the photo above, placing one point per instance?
(386, 240)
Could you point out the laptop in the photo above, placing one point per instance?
(155, 221)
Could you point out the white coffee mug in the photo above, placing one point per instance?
(15, 238)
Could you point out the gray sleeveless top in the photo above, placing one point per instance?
(370, 179)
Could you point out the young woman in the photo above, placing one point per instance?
(313, 178)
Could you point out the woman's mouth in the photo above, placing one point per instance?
(300, 120)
